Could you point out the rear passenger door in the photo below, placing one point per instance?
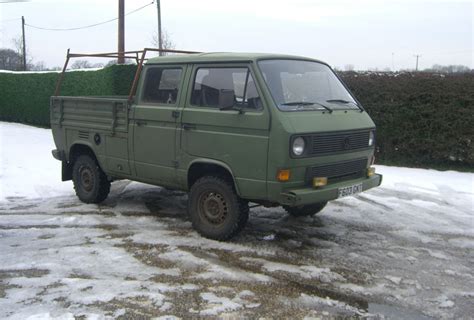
(155, 118)
(237, 139)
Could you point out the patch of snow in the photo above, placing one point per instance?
(446, 304)
(228, 273)
(212, 268)
(269, 237)
(49, 316)
(307, 272)
(246, 293)
(49, 71)
(27, 167)
(316, 303)
(393, 279)
(195, 240)
(437, 254)
(216, 305)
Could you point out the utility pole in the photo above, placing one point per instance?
(121, 32)
(160, 40)
(417, 56)
(393, 62)
(24, 44)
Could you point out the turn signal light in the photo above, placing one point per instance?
(320, 182)
(283, 175)
(370, 171)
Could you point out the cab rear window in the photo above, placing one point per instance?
(161, 85)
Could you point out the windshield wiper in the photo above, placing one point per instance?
(340, 101)
(305, 103)
(346, 102)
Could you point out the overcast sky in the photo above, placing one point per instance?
(368, 34)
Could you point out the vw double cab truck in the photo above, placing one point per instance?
(228, 128)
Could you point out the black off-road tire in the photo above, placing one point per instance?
(215, 209)
(90, 182)
(305, 210)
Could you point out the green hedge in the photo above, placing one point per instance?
(423, 119)
(25, 96)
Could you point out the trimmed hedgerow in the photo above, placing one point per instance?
(422, 119)
(25, 96)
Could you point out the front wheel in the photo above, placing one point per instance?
(305, 210)
(215, 209)
(90, 182)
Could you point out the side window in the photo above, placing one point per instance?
(210, 84)
(161, 85)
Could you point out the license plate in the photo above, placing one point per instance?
(350, 190)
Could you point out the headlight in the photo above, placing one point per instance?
(371, 138)
(298, 146)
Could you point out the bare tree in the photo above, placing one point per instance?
(166, 41)
(114, 62)
(38, 66)
(349, 67)
(81, 64)
(10, 60)
(85, 64)
(449, 68)
(18, 45)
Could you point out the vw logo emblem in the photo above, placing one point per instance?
(347, 143)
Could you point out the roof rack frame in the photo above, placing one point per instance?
(138, 55)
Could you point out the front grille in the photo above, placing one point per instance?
(339, 171)
(339, 142)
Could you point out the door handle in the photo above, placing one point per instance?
(188, 126)
(140, 123)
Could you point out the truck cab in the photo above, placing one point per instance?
(229, 128)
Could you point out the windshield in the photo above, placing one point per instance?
(298, 85)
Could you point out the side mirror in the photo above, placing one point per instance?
(226, 99)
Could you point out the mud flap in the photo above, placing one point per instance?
(66, 171)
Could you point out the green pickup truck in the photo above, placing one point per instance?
(229, 128)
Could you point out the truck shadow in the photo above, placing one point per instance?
(264, 223)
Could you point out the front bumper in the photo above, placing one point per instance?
(302, 196)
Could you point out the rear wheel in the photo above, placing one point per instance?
(215, 209)
(90, 182)
(305, 210)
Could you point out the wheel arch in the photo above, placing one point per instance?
(77, 149)
(199, 168)
(80, 148)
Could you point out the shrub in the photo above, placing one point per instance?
(423, 119)
(25, 96)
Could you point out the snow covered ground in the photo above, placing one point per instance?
(404, 250)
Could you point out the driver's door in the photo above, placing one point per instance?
(236, 137)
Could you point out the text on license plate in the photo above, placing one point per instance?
(350, 190)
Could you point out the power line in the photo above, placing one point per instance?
(88, 26)
(10, 20)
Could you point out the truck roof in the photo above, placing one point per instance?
(222, 57)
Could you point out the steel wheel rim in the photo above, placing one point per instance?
(212, 207)
(87, 178)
